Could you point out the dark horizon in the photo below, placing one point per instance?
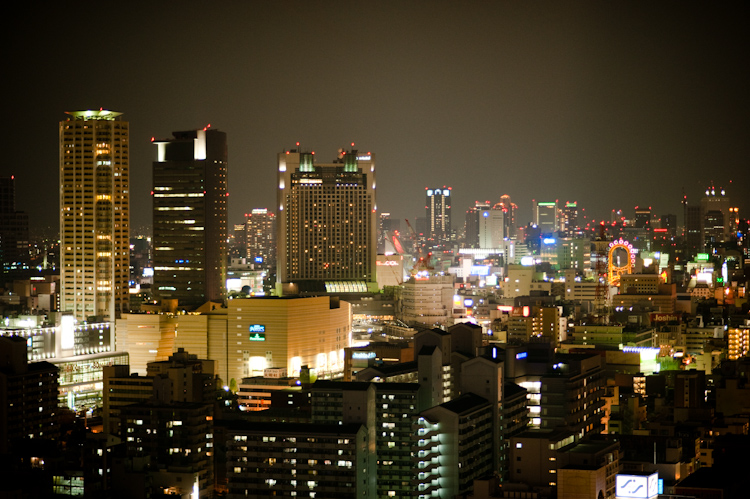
(609, 105)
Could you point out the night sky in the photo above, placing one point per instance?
(612, 104)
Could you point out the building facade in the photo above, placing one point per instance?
(438, 206)
(260, 238)
(326, 227)
(94, 214)
(190, 217)
(14, 236)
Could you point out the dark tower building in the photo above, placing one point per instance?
(438, 206)
(190, 217)
(642, 217)
(693, 230)
(14, 235)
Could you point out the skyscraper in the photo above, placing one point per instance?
(190, 217)
(326, 226)
(473, 215)
(438, 206)
(94, 214)
(545, 216)
(509, 210)
(260, 237)
(569, 218)
(715, 215)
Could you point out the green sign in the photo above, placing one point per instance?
(701, 257)
(258, 337)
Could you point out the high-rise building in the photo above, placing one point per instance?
(14, 236)
(715, 215)
(190, 217)
(491, 228)
(473, 215)
(545, 216)
(260, 237)
(693, 229)
(94, 214)
(438, 206)
(569, 218)
(509, 209)
(642, 219)
(326, 227)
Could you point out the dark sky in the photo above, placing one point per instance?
(612, 103)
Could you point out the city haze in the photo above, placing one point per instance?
(609, 104)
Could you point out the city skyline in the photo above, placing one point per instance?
(609, 106)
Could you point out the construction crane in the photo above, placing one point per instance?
(422, 264)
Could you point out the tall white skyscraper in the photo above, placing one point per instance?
(94, 215)
(326, 224)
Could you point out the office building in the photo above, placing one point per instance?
(14, 236)
(715, 215)
(94, 215)
(569, 218)
(260, 238)
(473, 215)
(190, 217)
(438, 206)
(491, 228)
(509, 210)
(642, 218)
(326, 225)
(544, 215)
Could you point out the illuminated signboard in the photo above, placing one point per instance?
(364, 158)
(67, 332)
(363, 355)
(701, 257)
(521, 355)
(658, 317)
(637, 486)
(257, 332)
(388, 263)
(548, 240)
(481, 270)
(468, 302)
(258, 259)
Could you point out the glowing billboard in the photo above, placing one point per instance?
(637, 486)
